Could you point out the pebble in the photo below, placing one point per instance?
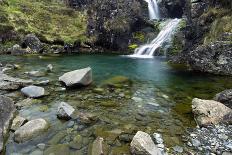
(196, 142)
(70, 124)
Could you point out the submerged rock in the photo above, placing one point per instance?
(7, 110)
(225, 97)
(97, 147)
(142, 144)
(208, 112)
(59, 149)
(65, 111)
(33, 91)
(49, 68)
(27, 102)
(81, 77)
(10, 83)
(117, 81)
(31, 130)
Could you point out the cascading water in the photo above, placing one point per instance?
(148, 50)
(153, 9)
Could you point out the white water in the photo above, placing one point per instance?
(148, 50)
(153, 9)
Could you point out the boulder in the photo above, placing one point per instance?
(97, 147)
(18, 122)
(30, 130)
(33, 43)
(33, 91)
(17, 50)
(7, 110)
(225, 97)
(65, 111)
(10, 83)
(208, 112)
(142, 144)
(81, 77)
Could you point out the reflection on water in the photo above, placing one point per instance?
(159, 100)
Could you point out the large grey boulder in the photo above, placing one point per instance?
(33, 91)
(225, 97)
(33, 43)
(81, 77)
(7, 110)
(208, 112)
(65, 111)
(142, 144)
(10, 83)
(31, 130)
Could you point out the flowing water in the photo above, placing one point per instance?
(159, 100)
(153, 9)
(165, 35)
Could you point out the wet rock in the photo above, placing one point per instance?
(41, 146)
(208, 112)
(49, 68)
(65, 111)
(126, 137)
(33, 43)
(18, 122)
(7, 110)
(79, 142)
(33, 91)
(31, 130)
(10, 83)
(196, 142)
(158, 138)
(18, 50)
(59, 149)
(35, 73)
(178, 149)
(142, 144)
(42, 83)
(97, 147)
(81, 77)
(225, 97)
(87, 118)
(27, 102)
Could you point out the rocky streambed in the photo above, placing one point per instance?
(118, 106)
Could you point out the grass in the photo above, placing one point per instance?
(51, 21)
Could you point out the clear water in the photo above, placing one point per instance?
(159, 100)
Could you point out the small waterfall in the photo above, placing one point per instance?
(153, 9)
(148, 50)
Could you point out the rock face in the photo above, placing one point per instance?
(10, 83)
(65, 111)
(82, 77)
(142, 144)
(225, 97)
(30, 130)
(33, 91)
(208, 112)
(214, 58)
(33, 43)
(7, 110)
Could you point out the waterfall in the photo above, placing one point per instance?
(148, 50)
(153, 9)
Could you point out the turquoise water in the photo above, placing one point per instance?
(159, 100)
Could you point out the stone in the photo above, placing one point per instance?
(117, 81)
(18, 122)
(41, 146)
(196, 142)
(208, 112)
(7, 111)
(31, 130)
(59, 149)
(33, 91)
(42, 83)
(142, 144)
(81, 77)
(178, 149)
(225, 97)
(10, 83)
(226, 153)
(97, 147)
(158, 138)
(33, 43)
(49, 67)
(35, 73)
(17, 50)
(65, 111)
(27, 102)
(87, 118)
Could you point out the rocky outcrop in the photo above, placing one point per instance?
(31, 130)
(33, 91)
(142, 144)
(208, 112)
(81, 77)
(215, 58)
(33, 43)
(65, 111)
(225, 97)
(7, 110)
(10, 83)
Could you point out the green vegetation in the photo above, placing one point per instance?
(50, 21)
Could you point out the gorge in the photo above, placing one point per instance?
(65, 87)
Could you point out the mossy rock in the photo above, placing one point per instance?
(117, 82)
(59, 149)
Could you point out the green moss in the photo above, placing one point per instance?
(133, 46)
(50, 20)
(139, 35)
(117, 81)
